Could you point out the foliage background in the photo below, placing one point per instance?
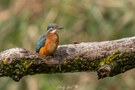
(23, 21)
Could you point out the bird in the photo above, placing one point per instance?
(48, 43)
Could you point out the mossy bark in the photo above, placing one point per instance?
(107, 58)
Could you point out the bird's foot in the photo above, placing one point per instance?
(40, 56)
(49, 56)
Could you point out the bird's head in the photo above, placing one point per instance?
(52, 28)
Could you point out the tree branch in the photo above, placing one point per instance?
(107, 58)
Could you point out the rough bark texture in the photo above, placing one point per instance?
(107, 58)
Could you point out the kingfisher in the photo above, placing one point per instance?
(48, 43)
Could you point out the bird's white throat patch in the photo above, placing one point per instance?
(53, 31)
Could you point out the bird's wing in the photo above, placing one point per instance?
(40, 43)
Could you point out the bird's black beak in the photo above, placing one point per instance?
(60, 27)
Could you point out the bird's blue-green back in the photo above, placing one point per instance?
(40, 43)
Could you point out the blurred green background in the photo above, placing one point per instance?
(23, 21)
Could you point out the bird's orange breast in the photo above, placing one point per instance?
(50, 45)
